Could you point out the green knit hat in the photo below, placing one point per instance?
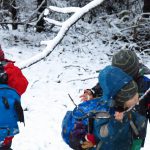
(126, 93)
(127, 61)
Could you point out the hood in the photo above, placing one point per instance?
(111, 80)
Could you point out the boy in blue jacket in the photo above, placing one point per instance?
(119, 131)
(128, 61)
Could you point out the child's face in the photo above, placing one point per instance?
(132, 102)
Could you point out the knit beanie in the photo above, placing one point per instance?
(127, 61)
(126, 93)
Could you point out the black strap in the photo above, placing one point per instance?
(133, 126)
(19, 111)
(5, 102)
(99, 145)
(90, 125)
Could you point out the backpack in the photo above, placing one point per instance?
(75, 123)
(10, 112)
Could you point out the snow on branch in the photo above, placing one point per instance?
(57, 23)
(115, 27)
(51, 44)
(64, 10)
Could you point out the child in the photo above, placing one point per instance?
(12, 76)
(117, 131)
(128, 61)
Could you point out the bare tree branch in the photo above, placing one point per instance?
(90, 78)
(19, 23)
(32, 15)
(51, 44)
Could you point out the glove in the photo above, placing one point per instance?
(90, 138)
(90, 141)
(87, 144)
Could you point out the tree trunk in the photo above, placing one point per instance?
(10, 5)
(40, 23)
(146, 7)
(14, 14)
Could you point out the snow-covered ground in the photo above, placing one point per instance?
(66, 70)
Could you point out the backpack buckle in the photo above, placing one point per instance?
(5, 102)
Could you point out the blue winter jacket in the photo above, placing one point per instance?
(110, 133)
(143, 83)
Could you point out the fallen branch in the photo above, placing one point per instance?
(115, 27)
(135, 26)
(64, 10)
(75, 67)
(19, 23)
(51, 44)
(51, 21)
(82, 79)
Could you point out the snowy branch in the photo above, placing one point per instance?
(57, 23)
(19, 23)
(64, 10)
(4, 11)
(115, 27)
(135, 26)
(51, 44)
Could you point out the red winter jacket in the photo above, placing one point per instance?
(16, 79)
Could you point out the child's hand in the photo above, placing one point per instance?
(87, 145)
(119, 116)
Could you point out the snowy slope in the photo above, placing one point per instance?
(46, 98)
(65, 71)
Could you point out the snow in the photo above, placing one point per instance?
(70, 68)
(51, 44)
(62, 10)
(46, 98)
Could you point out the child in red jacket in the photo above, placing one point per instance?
(11, 75)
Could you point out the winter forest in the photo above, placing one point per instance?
(60, 46)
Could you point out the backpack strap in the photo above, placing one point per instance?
(5, 102)
(148, 112)
(19, 111)
(99, 145)
(133, 126)
(137, 142)
(90, 125)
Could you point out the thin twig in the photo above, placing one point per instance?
(82, 79)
